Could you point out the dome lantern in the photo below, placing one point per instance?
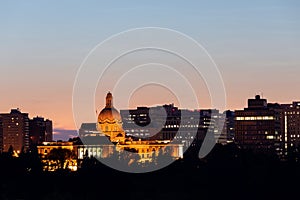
(109, 100)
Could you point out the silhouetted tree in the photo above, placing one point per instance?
(61, 157)
(76, 141)
(31, 161)
(10, 151)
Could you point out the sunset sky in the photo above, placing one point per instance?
(255, 44)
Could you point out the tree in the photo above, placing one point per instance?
(164, 156)
(10, 151)
(61, 157)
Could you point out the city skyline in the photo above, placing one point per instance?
(149, 99)
(66, 134)
(255, 46)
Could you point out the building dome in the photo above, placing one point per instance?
(109, 114)
(110, 121)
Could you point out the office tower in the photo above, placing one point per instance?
(15, 130)
(291, 126)
(1, 135)
(40, 131)
(258, 127)
(228, 130)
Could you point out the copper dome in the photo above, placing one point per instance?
(109, 113)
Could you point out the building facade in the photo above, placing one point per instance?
(164, 123)
(228, 129)
(182, 125)
(40, 130)
(1, 135)
(88, 129)
(15, 131)
(258, 127)
(52, 153)
(19, 132)
(291, 127)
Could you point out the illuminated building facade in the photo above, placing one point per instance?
(147, 149)
(164, 123)
(40, 131)
(50, 157)
(185, 129)
(258, 127)
(110, 122)
(95, 150)
(228, 130)
(137, 123)
(291, 126)
(1, 135)
(15, 131)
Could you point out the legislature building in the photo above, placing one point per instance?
(111, 139)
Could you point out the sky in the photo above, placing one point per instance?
(255, 44)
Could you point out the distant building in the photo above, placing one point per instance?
(50, 159)
(1, 135)
(212, 123)
(258, 127)
(110, 123)
(88, 129)
(165, 122)
(15, 131)
(21, 133)
(228, 129)
(40, 131)
(185, 126)
(136, 122)
(291, 126)
(94, 142)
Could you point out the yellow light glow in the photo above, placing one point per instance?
(254, 118)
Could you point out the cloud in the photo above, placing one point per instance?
(64, 134)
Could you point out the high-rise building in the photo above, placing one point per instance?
(40, 131)
(165, 122)
(228, 129)
(15, 130)
(229, 125)
(1, 135)
(168, 122)
(291, 126)
(136, 122)
(258, 126)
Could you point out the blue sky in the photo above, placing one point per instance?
(256, 45)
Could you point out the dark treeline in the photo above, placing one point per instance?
(227, 172)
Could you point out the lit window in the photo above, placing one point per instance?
(252, 118)
(270, 137)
